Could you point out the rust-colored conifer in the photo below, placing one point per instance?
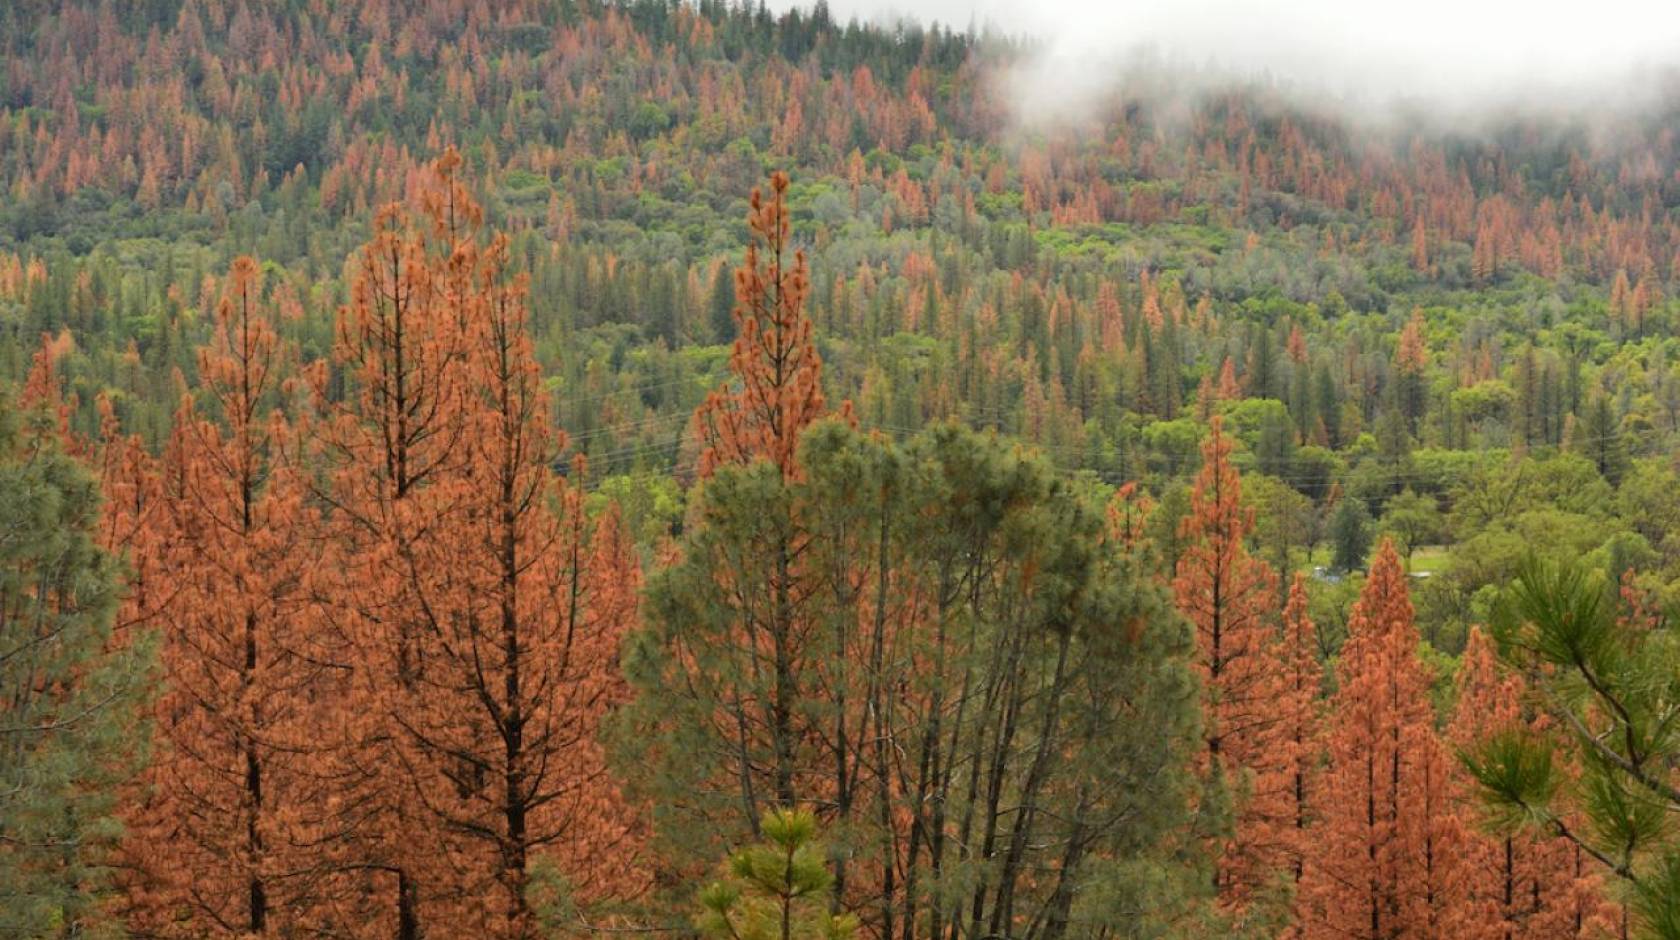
(1228, 595)
(776, 386)
(1519, 885)
(479, 609)
(523, 610)
(233, 722)
(1388, 852)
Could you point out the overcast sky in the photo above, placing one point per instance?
(1537, 51)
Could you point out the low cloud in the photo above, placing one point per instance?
(1451, 59)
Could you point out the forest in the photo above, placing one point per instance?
(576, 468)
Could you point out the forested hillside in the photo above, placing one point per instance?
(548, 468)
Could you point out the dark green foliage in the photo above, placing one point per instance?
(1600, 439)
(776, 889)
(1350, 534)
(1607, 683)
(70, 693)
(993, 606)
(721, 305)
(1413, 520)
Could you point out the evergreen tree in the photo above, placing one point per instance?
(775, 889)
(721, 305)
(71, 694)
(1302, 727)
(1350, 534)
(1600, 439)
(1599, 774)
(1327, 403)
(928, 573)
(1263, 373)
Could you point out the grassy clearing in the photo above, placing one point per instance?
(1426, 559)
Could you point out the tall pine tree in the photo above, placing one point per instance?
(71, 698)
(1388, 857)
(234, 721)
(1229, 597)
(775, 389)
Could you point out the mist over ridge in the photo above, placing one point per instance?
(1459, 66)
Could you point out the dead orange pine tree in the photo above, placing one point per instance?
(522, 618)
(1410, 360)
(135, 521)
(43, 386)
(136, 525)
(1388, 849)
(480, 607)
(776, 389)
(217, 835)
(388, 447)
(1228, 596)
(774, 394)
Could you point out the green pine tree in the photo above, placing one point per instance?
(1608, 686)
(973, 566)
(720, 305)
(1600, 439)
(777, 889)
(1350, 534)
(69, 695)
